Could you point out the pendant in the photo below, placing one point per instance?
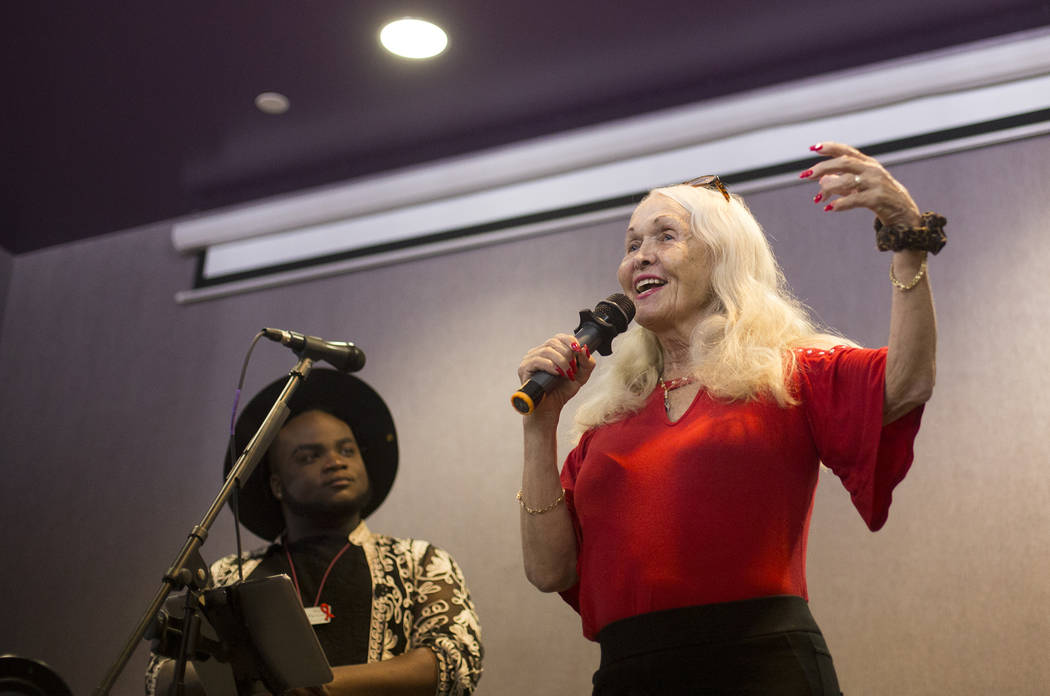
(321, 614)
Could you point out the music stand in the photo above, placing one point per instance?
(247, 633)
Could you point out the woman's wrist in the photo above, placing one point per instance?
(541, 421)
(925, 234)
(908, 260)
(907, 269)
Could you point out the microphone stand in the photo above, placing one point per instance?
(188, 568)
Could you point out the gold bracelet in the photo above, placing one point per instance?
(539, 511)
(904, 287)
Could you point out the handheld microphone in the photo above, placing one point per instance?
(596, 331)
(342, 355)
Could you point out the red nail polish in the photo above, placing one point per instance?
(828, 207)
(818, 198)
(817, 148)
(560, 371)
(575, 346)
(587, 348)
(806, 174)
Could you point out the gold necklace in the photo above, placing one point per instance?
(668, 387)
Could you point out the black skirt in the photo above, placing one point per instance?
(770, 646)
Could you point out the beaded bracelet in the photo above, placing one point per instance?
(539, 511)
(928, 236)
(905, 287)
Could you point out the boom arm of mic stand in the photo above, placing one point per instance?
(242, 469)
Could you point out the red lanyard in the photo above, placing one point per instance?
(323, 577)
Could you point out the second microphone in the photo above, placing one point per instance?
(342, 355)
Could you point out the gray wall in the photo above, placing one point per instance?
(116, 402)
(6, 268)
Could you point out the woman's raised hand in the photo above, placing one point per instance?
(860, 181)
(563, 356)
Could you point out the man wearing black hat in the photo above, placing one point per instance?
(393, 615)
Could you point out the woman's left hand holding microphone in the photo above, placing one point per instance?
(560, 355)
(548, 539)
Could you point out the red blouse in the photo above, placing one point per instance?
(715, 507)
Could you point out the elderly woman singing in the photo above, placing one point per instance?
(677, 526)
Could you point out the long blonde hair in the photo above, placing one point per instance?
(742, 350)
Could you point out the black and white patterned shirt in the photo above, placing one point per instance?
(419, 599)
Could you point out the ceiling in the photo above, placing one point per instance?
(128, 113)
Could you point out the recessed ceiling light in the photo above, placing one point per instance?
(272, 103)
(413, 38)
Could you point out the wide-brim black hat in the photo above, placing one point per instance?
(347, 398)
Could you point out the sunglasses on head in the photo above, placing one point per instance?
(710, 181)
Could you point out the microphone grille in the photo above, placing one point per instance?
(617, 309)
